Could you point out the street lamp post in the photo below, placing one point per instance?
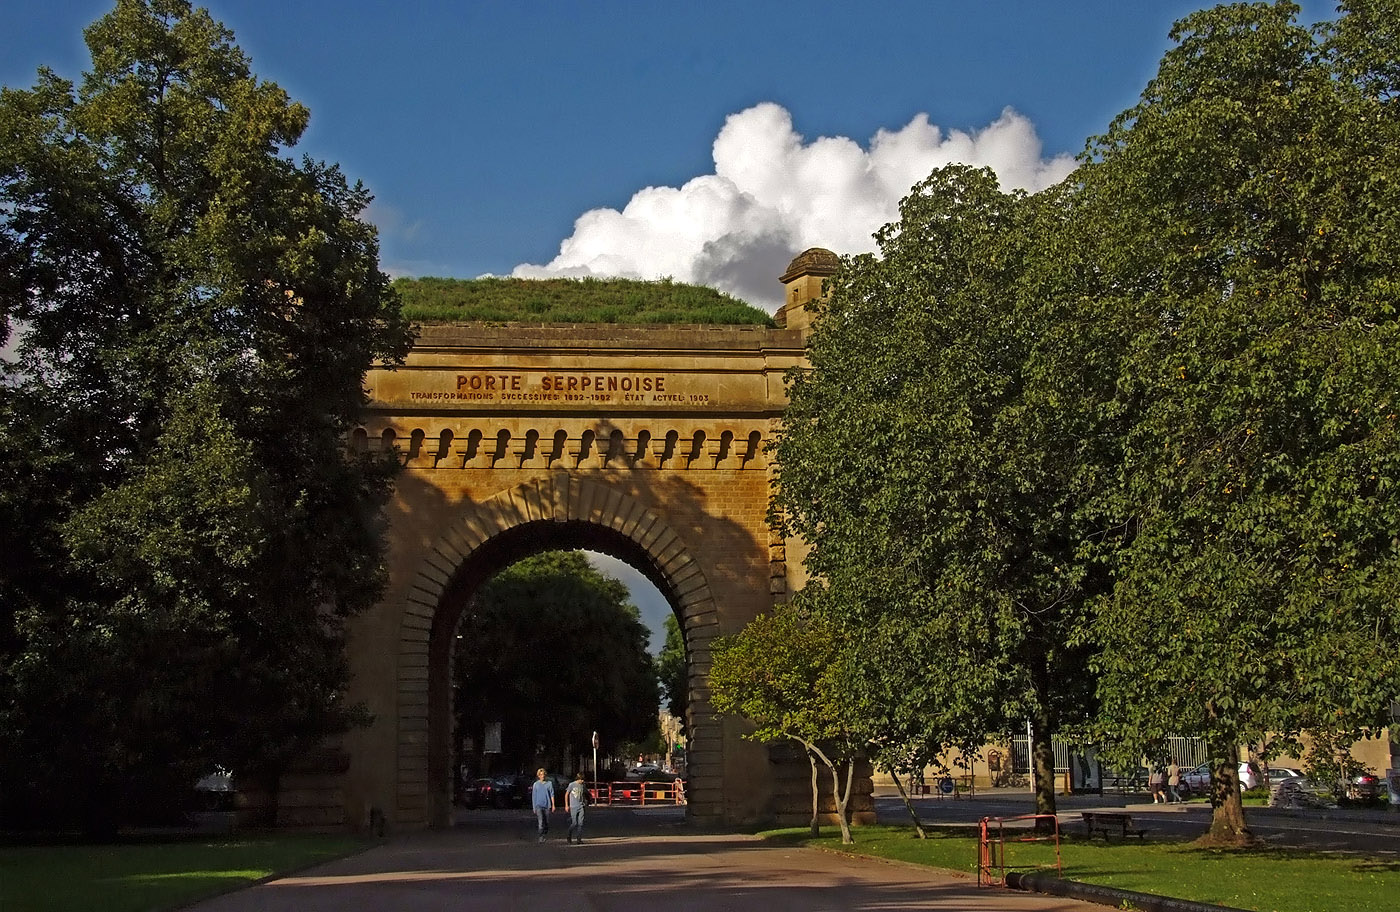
(595, 764)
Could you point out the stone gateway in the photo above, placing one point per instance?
(643, 442)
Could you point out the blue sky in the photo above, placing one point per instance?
(487, 129)
(708, 141)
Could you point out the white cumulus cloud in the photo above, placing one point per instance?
(773, 194)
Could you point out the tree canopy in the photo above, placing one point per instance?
(1252, 198)
(1121, 455)
(554, 650)
(186, 532)
(942, 454)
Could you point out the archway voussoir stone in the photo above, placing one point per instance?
(662, 540)
(425, 588)
(581, 505)
(635, 515)
(618, 509)
(506, 512)
(646, 531)
(446, 554)
(558, 506)
(525, 501)
(670, 549)
(597, 504)
(415, 622)
(463, 535)
(430, 571)
(679, 570)
(417, 602)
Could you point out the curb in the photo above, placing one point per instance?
(1108, 896)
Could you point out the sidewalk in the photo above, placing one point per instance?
(631, 861)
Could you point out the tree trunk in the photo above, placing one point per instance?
(1043, 761)
(1227, 823)
(843, 797)
(908, 805)
(816, 796)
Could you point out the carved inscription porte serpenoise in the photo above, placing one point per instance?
(509, 386)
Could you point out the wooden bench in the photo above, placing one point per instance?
(1107, 821)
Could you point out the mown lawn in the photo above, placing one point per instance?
(136, 877)
(1276, 880)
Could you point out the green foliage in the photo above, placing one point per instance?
(1146, 418)
(942, 456)
(673, 671)
(554, 651)
(1253, 196)
(432, 300)
(188, 534)
(787, 673)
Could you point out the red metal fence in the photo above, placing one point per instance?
(640, 794)
(993, 835)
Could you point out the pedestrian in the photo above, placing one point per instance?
(542, 801)
(575, 800)
(1173, 782)
(1155, 781)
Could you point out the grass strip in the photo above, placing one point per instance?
(142, 876)
(1264, 879)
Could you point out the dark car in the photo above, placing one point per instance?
(510, 790)
(477, 793)
(1366, 787)
(560, 782)
(650, 773)
(1299, 792)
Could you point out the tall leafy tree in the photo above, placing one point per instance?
(673, 670)
(196, 312)
(554, 650)
(1250, 207)
(943, 456)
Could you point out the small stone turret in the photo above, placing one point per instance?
(802, 283)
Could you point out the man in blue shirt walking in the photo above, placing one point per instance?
(542, 800)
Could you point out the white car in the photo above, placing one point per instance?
(1279, 774)
(1196, 781)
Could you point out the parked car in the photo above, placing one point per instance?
(1195, 781)
(560, 783)
(1298, 792)
(510, 790)
(1279, 774)
(477, 793)
(1366, 787)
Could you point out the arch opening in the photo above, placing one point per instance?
(456, 570)
(548, 652)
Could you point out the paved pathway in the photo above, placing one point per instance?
(631, 861)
